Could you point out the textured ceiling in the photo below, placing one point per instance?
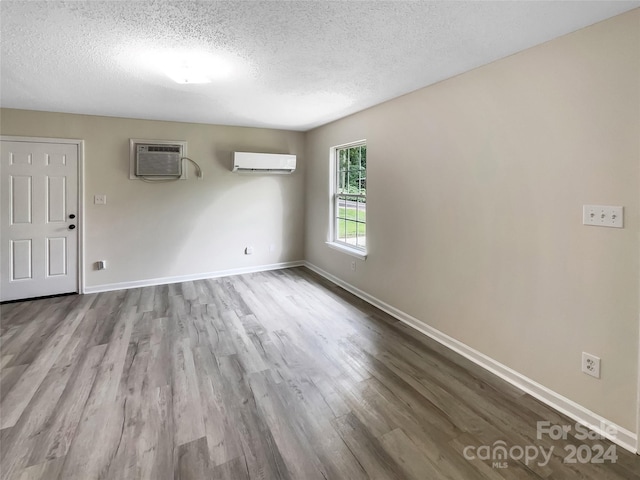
(292, 64)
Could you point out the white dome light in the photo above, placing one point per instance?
(181, 65)
(194, 67)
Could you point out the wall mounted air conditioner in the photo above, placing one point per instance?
(247, 162)
(158, 160)
(154, 158)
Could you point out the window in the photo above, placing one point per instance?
(349, 229)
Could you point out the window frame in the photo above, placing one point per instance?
(333, 241)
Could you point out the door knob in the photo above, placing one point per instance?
(72, 216)
(71, 227)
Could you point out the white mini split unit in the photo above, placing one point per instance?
(247, 162)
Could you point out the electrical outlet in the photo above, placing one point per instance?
(602, 216)
(591, 364)
(353, 266)
(100, 199)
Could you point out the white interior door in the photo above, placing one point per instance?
(39, 219)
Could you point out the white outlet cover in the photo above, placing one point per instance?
(603, 216)
(100, 199)
(590, 364)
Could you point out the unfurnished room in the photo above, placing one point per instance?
(324, 240)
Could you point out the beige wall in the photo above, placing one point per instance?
(475, 194)
(187, 227)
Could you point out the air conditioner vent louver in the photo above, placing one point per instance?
(160, 148)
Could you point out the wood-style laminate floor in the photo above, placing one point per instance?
(276, 375)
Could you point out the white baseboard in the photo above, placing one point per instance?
(108, 287)
(623, 437)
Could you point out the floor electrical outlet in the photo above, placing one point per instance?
(590, 364)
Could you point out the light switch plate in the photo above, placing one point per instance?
(603, 216)
(100, 199)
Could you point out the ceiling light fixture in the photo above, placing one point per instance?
(183, 66)
(195, 67)
(186, 73)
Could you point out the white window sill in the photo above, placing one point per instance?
(354, 252)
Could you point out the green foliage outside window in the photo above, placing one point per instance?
(352, 170)
(350, 206)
